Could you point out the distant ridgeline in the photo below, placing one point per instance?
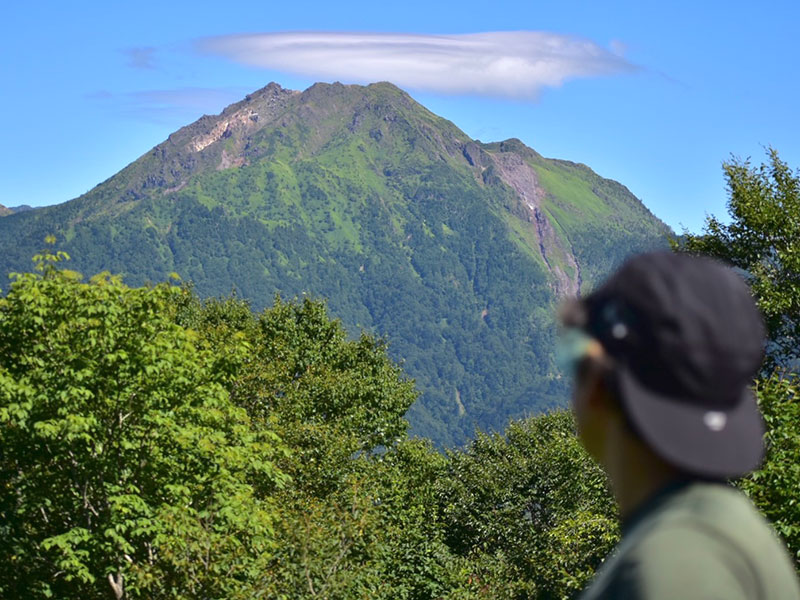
(455, 250)
(5, 210)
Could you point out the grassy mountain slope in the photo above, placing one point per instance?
(455, 250)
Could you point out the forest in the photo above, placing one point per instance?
(156, 444)
(363, 198)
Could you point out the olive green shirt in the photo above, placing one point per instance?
(697, 540)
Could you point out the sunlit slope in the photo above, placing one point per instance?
(453, 249)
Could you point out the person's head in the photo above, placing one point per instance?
(667, 348)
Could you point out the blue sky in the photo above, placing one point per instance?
(654, 95)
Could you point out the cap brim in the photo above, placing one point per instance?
(698, 440)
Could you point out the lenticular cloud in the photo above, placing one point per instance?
(502, 64)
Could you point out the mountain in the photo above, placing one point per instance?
(454, 249)
(10, 210)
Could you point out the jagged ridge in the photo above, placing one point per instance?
(454, 249)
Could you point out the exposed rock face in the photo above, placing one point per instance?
(453, 248)
(521, 177)
(228, 161)
(242, 120)
(239, 121)
(212, 142)
(4, 211)
(557, 255)
(475, 155)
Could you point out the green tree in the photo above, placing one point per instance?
(774, 487)
(377, 535)
(359, 517)
(155, 445)
(329, 397)
(125, 467)
(762, 239)
(371, 514)
(530, 510)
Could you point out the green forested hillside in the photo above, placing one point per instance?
(455, 250)
(156, 446)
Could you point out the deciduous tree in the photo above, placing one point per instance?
(124, 465)
(763, 240)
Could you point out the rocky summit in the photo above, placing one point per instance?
(456, 250)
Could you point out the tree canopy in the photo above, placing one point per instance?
(763, 240)
(158, 446)
(125, 465)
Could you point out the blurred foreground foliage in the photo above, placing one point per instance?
(153, 445)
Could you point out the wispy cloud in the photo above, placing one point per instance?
(141, 57)
(501, 64)
(171, 106)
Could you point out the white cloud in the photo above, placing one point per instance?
(514, 64)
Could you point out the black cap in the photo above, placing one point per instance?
(687, 340)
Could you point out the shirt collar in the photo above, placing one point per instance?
(652, 502)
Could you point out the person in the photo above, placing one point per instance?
(664, 353)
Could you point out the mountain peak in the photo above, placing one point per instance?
(245, 130)
(381, 128)
(265, 95)
(453, 248)
(4, 211)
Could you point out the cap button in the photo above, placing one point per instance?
(715, 420)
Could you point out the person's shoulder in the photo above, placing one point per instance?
(680, 558)
(707, 541)
(712, 517)
(684, 558)
(698, 541)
